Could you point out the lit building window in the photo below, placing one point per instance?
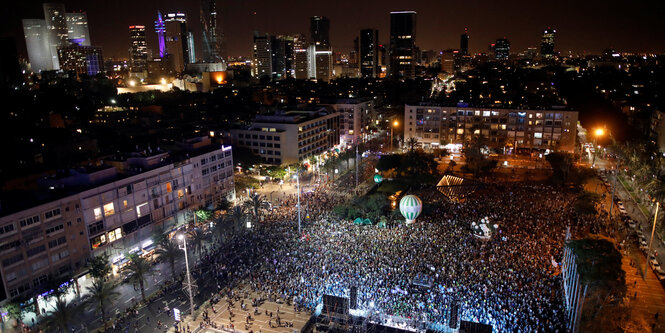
(115, 235)
(98, 213)
(108, 209)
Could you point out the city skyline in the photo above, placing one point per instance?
(581, 27)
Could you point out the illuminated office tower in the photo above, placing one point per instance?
(262, 52)
(191, 52)
(547, 43)
(36, 41)
(138, 50)
(300, 57)
(77, 28)
(81, 59)
(369, 52)
(502, 49)
(56, 26)
(402, 45)
(176, 39)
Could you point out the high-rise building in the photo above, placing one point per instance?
(547, 43)
(139, 50)
(212, 34)
(77, 28)
(324, 63)
(448, 61)
(464, 43)
(36, 41)
(84, 60)
(176, 39)
(160, 29)
(502, 49)
(369, 52)
(402, 44)
(56, 26)
(282, 56)
(191, 50)
(262, 56)
(320, 30)
(300, 57)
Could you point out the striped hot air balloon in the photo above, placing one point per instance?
(410, 206)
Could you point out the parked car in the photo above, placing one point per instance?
(660, 274)
(632, 224)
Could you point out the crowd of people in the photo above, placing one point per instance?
(511, 281)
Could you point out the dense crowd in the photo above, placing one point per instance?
(511, 282)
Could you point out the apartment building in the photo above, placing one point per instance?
(115, 209)
(290, 136)
(356, 116)
(435, 126)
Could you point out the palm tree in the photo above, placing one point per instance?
(103, 293)
(168, 250)
(15, 310)
(656, 188)
(62, 314)
(236, 216)
(196, 237)
(255, 203)
(412, 142)
(139, 269)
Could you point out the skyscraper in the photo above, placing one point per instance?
(319, 28)
(300, 57)
(464, 43)
(56, 26)
(369, 52)
(81, 59)
(502, 49)
(262, 56)
(77, 28)
(324, 63)
(212, 34)
(176, 39)
(36, 41)
(138, 50)
(402, 44)
(547, 43)
(191, 50)
(160, 29)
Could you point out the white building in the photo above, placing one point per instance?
(356, 116)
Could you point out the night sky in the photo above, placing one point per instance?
(583, 26)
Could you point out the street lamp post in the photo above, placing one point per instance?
(395, 124)
(653, 230)
(189, 280)
(598, 132)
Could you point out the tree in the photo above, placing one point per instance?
(102, 293)
(276, 172)
(62, 314)
(14, 310)
(223, 204)
(100, 267)
(412, 143)
(255, 204)
(196, 237)
(236, 217)
(585, 203)
(168, 250)
(476, 161)
(562, 164)
(139, 269)
(245, 157)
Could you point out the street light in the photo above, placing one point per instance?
(189, 280)
(395, 124)
(653, 230)
(297, 176)
(597, 133)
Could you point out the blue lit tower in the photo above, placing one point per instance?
(160, 29)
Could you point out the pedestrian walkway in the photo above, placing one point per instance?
(645, 297)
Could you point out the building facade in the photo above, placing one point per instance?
(319, 28)
(368, 45)
(402, 45)
(435, 126)
(37, 44)
(464, 43)
(176, 37)
(262, 51)
(356, 116)
(290, 136)
(139, 50)
(502, 49)
(56, 27)
(547, 43)
(84, 60)
(77, 28)
(115, 215)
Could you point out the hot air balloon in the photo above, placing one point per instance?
(410, 206)
(378, 178)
